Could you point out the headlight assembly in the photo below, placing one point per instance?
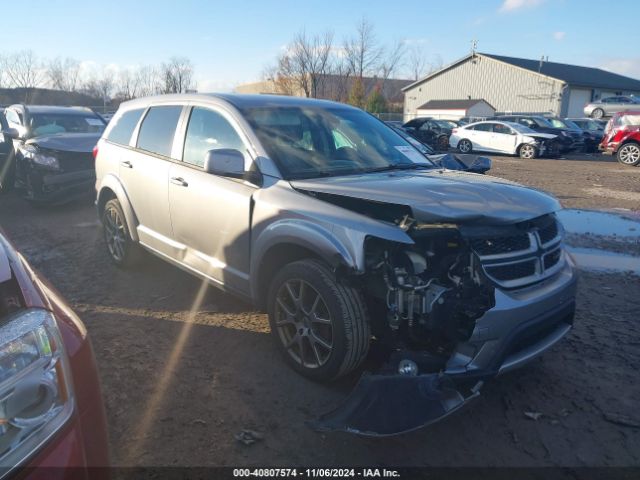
(36, 396)
(30, 152)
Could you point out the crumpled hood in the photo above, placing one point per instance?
(545, 136)
(442, 196)
(69, 142)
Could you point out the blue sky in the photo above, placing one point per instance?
(231, 42)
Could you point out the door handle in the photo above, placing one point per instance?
(179, 181)
(126, 164)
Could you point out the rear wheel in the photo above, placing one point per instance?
(629, 154)
(122, 249)
(597, 113)
(465, 146)
(318, 322)
(527, 151)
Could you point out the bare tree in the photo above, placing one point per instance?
(128, 84)
(304, 65)
(177, 75)
(362, 52)
(148, 80)
(64, 73)
(23, 70)
(418, 64)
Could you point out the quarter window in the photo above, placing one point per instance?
(123, 127)
(208, 130)
(158, 129)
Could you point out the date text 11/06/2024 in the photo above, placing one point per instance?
(316, 472)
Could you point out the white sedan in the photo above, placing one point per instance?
(503, 137)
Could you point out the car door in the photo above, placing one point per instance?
(482, 133)
(210, 214)
(144, 173)
(504, 138)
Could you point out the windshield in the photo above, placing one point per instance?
(53, 123)
(313, 142)
(557, 123)
(571, 124)
(445, 124)
(543, 122)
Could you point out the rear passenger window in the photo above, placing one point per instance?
(484, 127)
(158, 128)
(208, 130)
(121, 132)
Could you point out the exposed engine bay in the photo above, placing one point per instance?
(432, 292)
(423, 301)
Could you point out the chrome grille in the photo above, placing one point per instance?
(525, 254)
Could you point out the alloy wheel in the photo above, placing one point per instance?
(465, 146)
(304, 323)
(114, 233)
(629, 154)
(527, 151)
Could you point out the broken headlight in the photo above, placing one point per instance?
(36, 397)
(32, 153)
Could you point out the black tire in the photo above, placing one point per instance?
(527, 151)
(123, 251)
(597, 113)
(291, 321)
(465, 146)
(442, 143)
(629, 154)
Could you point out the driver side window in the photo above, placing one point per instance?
(208, 130)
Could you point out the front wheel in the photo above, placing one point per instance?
(629, 154)
(122, 249)
(527, 151)
(465, 146)
(318, 322)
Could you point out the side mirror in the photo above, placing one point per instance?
(12, 133)
(226, 162)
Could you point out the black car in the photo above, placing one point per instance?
(594, 128)
(54, 150)
(431, 131)
(540, 124)
(580, 138)
(6, 153)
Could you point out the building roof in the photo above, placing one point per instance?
(452, 104)
(571, 74)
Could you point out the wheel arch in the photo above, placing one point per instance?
(110, 188)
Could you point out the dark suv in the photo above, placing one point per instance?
(567, 142)
(431, 131)
(53, 150)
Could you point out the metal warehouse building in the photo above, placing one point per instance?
(518, 85)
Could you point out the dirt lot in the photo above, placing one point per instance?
(179, 384)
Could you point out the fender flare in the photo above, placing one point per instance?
(111, 182)
(302, 233)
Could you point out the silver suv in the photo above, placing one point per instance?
(348, 237)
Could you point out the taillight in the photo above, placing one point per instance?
(95, 152)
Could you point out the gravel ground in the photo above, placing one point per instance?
(178, 383)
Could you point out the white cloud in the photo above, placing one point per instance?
(629, 67)
(513, 5)
(559, 35)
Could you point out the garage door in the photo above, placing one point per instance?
(578, 98)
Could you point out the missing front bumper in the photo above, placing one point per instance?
(383, 405)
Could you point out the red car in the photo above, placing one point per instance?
(52, 421)
(622, 137)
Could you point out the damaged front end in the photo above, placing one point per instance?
(424, 300)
